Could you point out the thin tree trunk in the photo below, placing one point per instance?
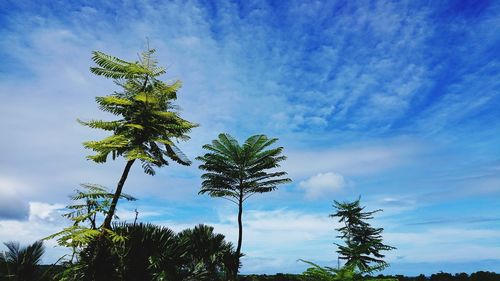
(118, 193)
(240, 233)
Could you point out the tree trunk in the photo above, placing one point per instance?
(118, 193)
(240, 234)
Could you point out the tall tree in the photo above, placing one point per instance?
(236, 172)
(363, 243)
(149, 122)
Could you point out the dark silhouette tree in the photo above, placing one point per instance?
(236, 172)
(21, 263)
(210, 252)
(152, 252)
(363, 243)
(148, 124)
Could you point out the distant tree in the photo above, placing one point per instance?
(363, 243)
(148, 124)
(21, 263)
(441, 276)
(421, 277)
(484, 276)
(236, 172)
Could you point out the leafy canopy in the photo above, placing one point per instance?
(91, 204)
(363, 243)
(149, 122)
(236, 172)
(21, 263)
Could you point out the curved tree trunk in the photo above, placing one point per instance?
(118, 193)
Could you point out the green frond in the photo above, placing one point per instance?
(163, 141)
(99, 124)
(166, 115)
(232, 170)
(111, 142)
(136, 126)
(99, 157)
(177, 155)
(112, 67)
(140, 154)
(146, 98)
(115, 237)
(113, 100)
(148, 169)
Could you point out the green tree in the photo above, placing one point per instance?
(21, 263)
(91, 204)
(363, 243)
(210, 252)
(236, 172)
(149, 122)
(152, 252)
(319, 273)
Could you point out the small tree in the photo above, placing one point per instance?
(21, 263)
(363, 243)
(148, 123)
(236, 172)
(91, 205)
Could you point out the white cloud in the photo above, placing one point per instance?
(44, 220)
(45, 212)
(323, 184)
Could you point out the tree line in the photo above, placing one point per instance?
(442, 276)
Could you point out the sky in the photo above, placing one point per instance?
(396, 102)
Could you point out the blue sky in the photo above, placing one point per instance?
(397, 102)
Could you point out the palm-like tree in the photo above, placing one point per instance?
(20, 263)
(149, 122)
(209, 252)
(152, 252)
(236, 172)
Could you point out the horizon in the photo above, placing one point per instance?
(395, 102)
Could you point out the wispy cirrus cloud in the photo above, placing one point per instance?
(398, 97)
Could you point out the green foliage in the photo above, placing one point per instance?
(152, 252)
(238, 171)
(363, 243)
(91, 203)
(149, 121)
(318, 273)
(209, 252)
(345, 273)
(21, 263)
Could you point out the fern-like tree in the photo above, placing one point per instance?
(236, 172)
(148, 121)
(90, 205)
(363, 243)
